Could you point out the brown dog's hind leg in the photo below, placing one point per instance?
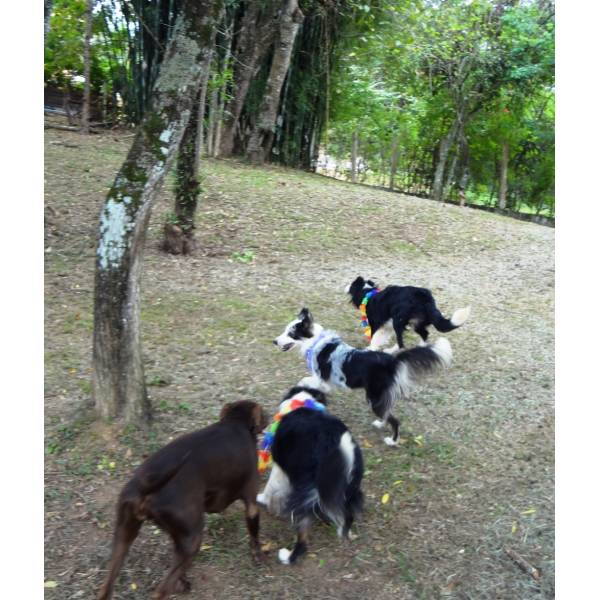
(252, 523)
(186, 547)
(126, 530)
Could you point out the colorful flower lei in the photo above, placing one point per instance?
(264, 453)
(364, 321)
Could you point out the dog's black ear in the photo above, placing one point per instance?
(305, 315)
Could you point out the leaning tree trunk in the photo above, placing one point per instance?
(261, 138)
(85, 113)
(118, 376)
(503, 176)
(253, 40)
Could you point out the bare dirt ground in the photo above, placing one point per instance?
(475, 474)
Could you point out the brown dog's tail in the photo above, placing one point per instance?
(154, 476)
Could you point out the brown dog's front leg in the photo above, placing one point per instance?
(252, 522)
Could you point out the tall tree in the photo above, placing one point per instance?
(261, 138)
(85, 114)
(256, 32)
(119, 388)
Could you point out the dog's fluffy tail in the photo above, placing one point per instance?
(335, 495)
(445, 325)
(411, 366)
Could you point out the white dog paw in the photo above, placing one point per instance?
(262, 499)
(352, 536)
(390, 441)
(378, 423)
(284, 556)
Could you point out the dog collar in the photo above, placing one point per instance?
(264, 453)
(364, 321)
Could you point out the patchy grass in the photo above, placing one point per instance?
(475, 471)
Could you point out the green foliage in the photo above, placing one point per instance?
(63, 57)
(412, 69)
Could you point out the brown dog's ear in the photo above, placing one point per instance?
(226, 408)
(260, 419)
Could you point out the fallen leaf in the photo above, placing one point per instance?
(205, 547)
(266, 546)
(50, 584)
(385, 498)
(133, 586)
(529, 511)
(398, 482)
(514, 527)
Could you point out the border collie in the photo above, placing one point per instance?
(385, 378)
(317, 470)
(398, 307)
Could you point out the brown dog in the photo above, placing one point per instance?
(204, 471)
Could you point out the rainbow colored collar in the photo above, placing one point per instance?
(264, 453)
(364, 321)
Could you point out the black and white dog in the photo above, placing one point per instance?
(385, 378)
(396, 307)
(317, 470)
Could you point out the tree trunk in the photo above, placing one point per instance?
(119, 388)
(464, 171)
(450, 176)
(503, 176)
(354, 157)
(261, 138)
(394, 161)
(254, 38)
(212, 114)
(85, 113)
(179, 233)
(201, 112)
(222, 92)
(47, 12)
(440, 168)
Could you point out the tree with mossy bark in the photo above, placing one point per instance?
(179, 227)
(261, 138)
(119, 388)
